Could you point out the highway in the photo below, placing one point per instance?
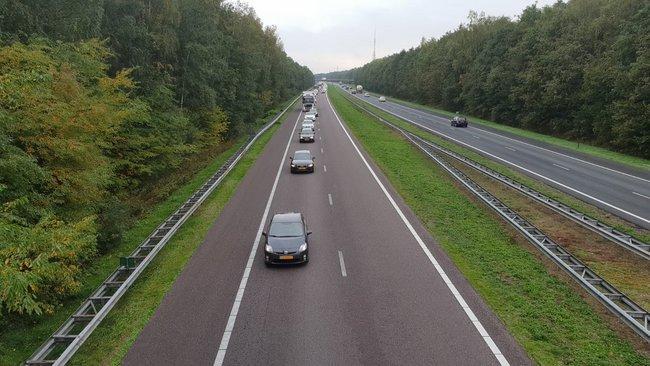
(623, 193)
(378, 289)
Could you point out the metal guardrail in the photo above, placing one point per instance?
(617, 302)
(63, 344)
(626, 241)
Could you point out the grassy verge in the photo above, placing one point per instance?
(598, 152)
(549, 191)
(547, 316)
(19, 337)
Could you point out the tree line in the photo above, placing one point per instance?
(578, 70)
(101, 99)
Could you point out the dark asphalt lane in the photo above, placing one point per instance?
(392, 307)
(621, 193)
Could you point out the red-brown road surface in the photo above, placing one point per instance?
(392, 307)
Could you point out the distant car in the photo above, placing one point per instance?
(302, 161)
(315, 110)
(308, 124)
(306, 135)
(287, 239)
(458, 121)
(306, 107)
(310, 117)
(366, 94)
(312, 114)
(382, 99)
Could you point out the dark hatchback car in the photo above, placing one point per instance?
(302, 161)
(287, 240)
(458, 121)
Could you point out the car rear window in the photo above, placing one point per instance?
(302, 156)
(307, 130)
(285, 229)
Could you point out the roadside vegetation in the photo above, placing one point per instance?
(577, 69)
(109, 343)
(103, 105)
(539, 305)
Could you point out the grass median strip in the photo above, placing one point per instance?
(547, 190)
(547, 316)
(595, 151)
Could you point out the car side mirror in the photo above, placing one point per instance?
(265, 234)
(309, 233)
(291, 158)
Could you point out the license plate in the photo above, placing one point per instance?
(285, 257)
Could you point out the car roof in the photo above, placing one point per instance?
(287, 217)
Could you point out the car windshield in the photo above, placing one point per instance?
(307, 130)
(285, 229)
(302, 156)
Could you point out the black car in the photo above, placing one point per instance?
(302, 161)
(458, 121)
(306, 135)
(287, 240)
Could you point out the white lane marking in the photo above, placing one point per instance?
(319, 138)
(521, 167)
(344, 273)
(321, 150)
(325, 168)
(641, 195)
(329, 197)
(561, 167)
(468, 311)
(510, 148)
(476, 137)
(225, 339)
(442, 120)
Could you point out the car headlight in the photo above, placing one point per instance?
(293, 165)
(302, 248)
(310, 165)
(268, 248)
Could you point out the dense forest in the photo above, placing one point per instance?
(578, 70)
(99, 100)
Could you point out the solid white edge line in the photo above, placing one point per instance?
(344, 273)
(518, 166)
(531, 145)
(459, 298)
(225, 338)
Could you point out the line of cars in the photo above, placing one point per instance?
(286, 240)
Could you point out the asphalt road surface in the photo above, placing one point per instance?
(378, 290)
(623, 193)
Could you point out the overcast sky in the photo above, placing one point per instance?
(330, 34)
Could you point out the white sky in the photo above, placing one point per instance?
(327, 35)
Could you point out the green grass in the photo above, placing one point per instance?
(549, 191)
(546, 316)
(599, 152)
(19, 337)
